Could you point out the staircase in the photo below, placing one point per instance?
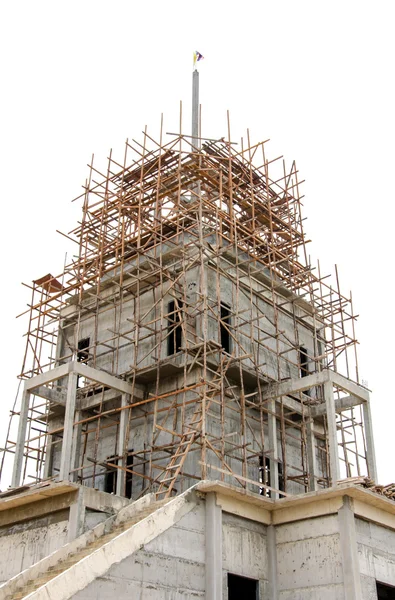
(74, 558)
(73, 567)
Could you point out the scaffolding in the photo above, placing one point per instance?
(174, 222)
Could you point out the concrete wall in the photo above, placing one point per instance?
(309, 560)
(171, 567)
(25, 543)
(256, 318)
(376, 551)
(244, 551)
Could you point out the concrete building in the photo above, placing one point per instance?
(192, 423)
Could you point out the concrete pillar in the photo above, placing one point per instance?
(332, 432)
(48, 457)
(272, 562)
(76, 517)
(370, 452)
(123, 421)
(273, 446)
(349, 552)
(76, 448)
(20, 442)
(213, 548)
(66, 456)
(311, 455)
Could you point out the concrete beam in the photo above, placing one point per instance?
(349, 386)
(51, 395)
(292, 386)
(81, 369)
(341, 404)
(213, 548)
(47, 377)
(101, 377)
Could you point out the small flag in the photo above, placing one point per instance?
(196, 57)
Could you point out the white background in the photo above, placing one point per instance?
(315, 77)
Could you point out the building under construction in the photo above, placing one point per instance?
(191, 376)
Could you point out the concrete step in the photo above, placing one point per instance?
(72, 559)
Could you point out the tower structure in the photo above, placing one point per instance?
(191, 419)
(190, 338)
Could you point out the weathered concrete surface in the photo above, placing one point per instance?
(244, 551)
(309, 559)
(376, 550)
(96, 564)
(24, 544)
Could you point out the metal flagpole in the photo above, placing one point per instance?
(195, 110)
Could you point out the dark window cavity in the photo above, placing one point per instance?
(242, 588)
(83, 350)
(225, 324)
(129, 476)
(304, 362)
(174, 327)
(110, 483)
(385, 592)
(265, 476)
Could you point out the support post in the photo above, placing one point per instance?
(370, 452)
(20, 443)
(76, 448)
(349, 552)
(272, 562)
(272, 431)
(121, 474)
(195, 110)
(213, 548)
(66, 456)
(76, 517)
(311, 455)
(332, 432)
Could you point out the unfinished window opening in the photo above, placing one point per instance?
(82, 357)
(304, 362)
(242, 587)
(385, 592)
(110, 482)
(129, 476)
(265, 476)
(174, 327)
(225, 324)
(83, 350)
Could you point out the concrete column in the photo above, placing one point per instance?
(332, 432)
(371, 455)
(76, 448)
(272, 562)
(273, 446)
(123, 421)
(76, 517)
(48, 457)
(311, 455)
(66, 456)
(349, 551)
(20, 442)
(213, 548)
